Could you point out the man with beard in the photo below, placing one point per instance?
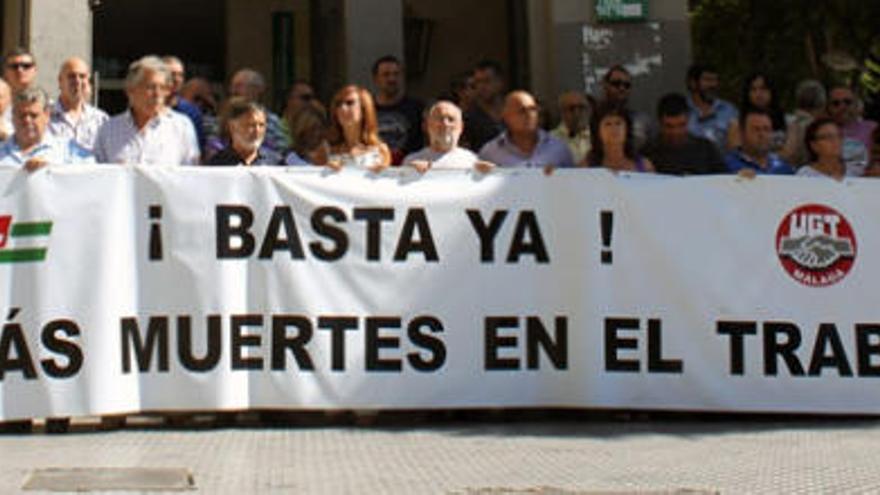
(400, 117)
(444, 124)
(246, 126)
(72, 117)
(710, 115)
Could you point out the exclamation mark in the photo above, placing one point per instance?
(606, 221)
(155, 233)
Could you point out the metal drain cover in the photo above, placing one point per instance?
(104, 479)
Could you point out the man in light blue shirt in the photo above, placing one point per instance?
(710, 116)
(524, 143)
(31, 147)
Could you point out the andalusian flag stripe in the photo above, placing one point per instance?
(22, 255)
(30, 229)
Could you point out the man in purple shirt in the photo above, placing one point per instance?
(524, 143)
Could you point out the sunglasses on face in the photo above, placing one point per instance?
(20, 65)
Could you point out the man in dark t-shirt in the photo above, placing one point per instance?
(400, 117)
(482, 123)
(677, 152)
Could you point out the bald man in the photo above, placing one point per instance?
(72, 117)
(524, 143)
(5, 110)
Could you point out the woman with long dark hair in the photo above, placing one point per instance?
(612, 143)
(759, 92)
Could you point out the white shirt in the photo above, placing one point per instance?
(167, 139)
(84, 131)
(459, 158)
(54, 150)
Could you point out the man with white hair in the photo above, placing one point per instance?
(444, 125)
(72, 117)
(31, 147)
(250, 85)
(148, 133)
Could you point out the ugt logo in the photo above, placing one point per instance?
(816, 245)
(23, 241)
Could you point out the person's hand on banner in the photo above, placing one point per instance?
(35, 164)
(746, 173)
(483, 166)
(421, 166)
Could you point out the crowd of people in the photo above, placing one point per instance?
(477, 124)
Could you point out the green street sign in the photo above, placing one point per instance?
(621, 10)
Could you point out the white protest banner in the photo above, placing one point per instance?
(134, 289)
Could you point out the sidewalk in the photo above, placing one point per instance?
(559, 456)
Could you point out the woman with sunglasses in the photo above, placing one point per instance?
(354, 132)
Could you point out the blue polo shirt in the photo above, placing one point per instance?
(714, 125)
(737, 160)
(549, 151)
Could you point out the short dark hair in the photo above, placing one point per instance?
(19, 52)
(384, 60)
(597, 151)
(672, 105)
(811, 133)
(492, 65)
(744, 115)
(613, 69)
(696, 71)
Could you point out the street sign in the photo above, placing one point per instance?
(621, 10)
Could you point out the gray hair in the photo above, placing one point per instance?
(171, 59)
(253, 77)
(139, 67)
(31, 95)
(810, 95)
(429, 111)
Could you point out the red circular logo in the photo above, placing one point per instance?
(816, 245)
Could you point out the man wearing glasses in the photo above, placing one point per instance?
(856, 131)
(617, 88)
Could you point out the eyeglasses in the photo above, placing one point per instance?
(20, 65)
(843, 102)
(620, 84)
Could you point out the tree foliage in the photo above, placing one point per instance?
(788, 39)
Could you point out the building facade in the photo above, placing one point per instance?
(547, 46)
